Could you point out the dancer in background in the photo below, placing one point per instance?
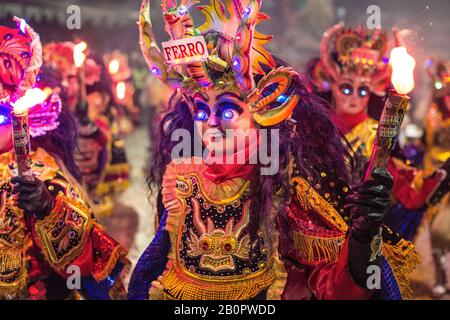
(101, 151)
(437, 142)
(353, 72)
(47, 228)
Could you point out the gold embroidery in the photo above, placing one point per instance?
(310, 199)
(362, 137)
(64, 232)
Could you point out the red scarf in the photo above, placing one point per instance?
(220, 172)
(346, 122)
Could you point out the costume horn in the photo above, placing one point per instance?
(152, 54)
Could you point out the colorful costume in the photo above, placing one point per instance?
(102, 153)
(227, 232)
(437, 139)
(356, 58)
(39, 251)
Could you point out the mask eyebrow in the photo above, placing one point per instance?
(202, 96)
(228, 95)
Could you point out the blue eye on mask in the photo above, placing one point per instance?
(5, 115)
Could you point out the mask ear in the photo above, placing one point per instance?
(273, 101)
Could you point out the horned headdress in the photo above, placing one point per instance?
(21, 58)
(357, 51)
(235, 54)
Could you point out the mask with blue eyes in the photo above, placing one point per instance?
(271, 102)
(348, 90)
(227, 111)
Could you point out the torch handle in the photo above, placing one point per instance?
(388, 130)
(21, 143)
(82, 82)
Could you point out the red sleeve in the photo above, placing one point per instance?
(333, 281)
(105, 131)
(411, 187)
(83, 261)
(317, 263)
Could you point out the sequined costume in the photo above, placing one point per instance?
(211, 243)
(356, 58)
(39, 253)
(108, 174)
(437, 140)
(33, 252)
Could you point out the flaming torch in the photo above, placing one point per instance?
(114, 67)
(20, 132)
(79, 57)
(87, 128)
(394, 109)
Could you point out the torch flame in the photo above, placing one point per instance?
(120, 90)
(114, 66)
(78, 54)
(31, 98)
(402, 70)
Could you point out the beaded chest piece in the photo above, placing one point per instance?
(215, 240)
(213, 254)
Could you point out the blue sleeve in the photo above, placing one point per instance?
(151, 264)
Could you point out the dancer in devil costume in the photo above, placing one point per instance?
(101, 152)
(47, 231)
(235, 230)
(437, 138)
(353, 72)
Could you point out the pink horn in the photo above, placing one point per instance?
(325, 44)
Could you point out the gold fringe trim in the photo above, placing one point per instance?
(183, 287)
(403, 259)
(314, 248)
(112, 186)
(118, 253)
(276, 289)
(16, 290)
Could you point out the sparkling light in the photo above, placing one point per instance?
(120, 90)
(23, 23)
(78, 54)
(31, 98)
(114, 66)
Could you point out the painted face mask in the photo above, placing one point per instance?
(20, 60)
(358, 54)
(235, 54)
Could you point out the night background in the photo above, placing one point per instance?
(297, 26)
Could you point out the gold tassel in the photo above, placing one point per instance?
(313, 248)
(117, 254)
(182, 287)
(276, 289)
(403, 259)
(11, 259)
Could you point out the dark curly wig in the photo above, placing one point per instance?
(314, 143)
